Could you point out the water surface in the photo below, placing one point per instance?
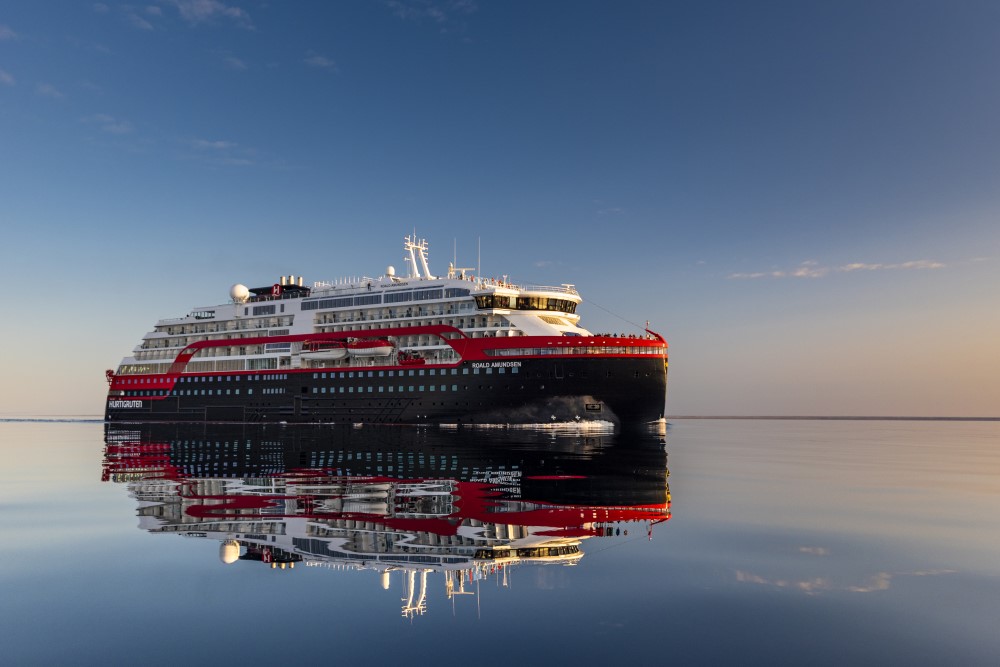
(736, 541)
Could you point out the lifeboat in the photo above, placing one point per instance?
(370, 347)
(325, 350)
(408, 358)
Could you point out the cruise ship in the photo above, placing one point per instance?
(414, 349)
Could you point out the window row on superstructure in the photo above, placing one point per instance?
(503, 301)
(167, 347)
(240, 324)
(425, 294)
(433, 310)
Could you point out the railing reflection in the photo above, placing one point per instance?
(465, 503)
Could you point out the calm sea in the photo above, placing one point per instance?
(724, 541)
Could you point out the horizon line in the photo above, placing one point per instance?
(100, 417)
(837, 417)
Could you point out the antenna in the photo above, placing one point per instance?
(479, 257)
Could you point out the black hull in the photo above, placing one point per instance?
(629, 391)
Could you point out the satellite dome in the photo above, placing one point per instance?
(239, 293)
(229, 552)
(390, 271)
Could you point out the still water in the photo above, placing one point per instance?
(744, 542)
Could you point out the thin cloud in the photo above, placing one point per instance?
(207, 11)
(100, 8)
(815, 551)
(232, 62)
(448, 15)
(235, 161)
(812, 269)
(918, 264)
(6, 78)
(110, 124)
(221, 152)
(611, 210)
(153, 10)
(213, 145)
(757, 274)
(48, 90)
(137, 21)
(440, 11)
(314, 59)
(6, 33)
(809, 269)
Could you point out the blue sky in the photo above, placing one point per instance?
(802, 196)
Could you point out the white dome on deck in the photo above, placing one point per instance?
(239, 293)
(229, 552)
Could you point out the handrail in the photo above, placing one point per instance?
(548, 288)
(488, 283)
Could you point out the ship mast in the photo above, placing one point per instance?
(417, 249)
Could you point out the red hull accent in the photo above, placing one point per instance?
(469, 349)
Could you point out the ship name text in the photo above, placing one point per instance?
(124, 404)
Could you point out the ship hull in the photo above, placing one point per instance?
(629, 391)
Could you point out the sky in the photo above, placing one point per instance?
(803, 197)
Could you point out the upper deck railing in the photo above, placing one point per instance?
(359, 285)
(562, 289)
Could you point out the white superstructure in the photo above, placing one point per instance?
(479, 307)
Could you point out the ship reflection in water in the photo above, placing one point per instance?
(460, 504)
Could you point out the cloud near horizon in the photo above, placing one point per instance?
(812, 269)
